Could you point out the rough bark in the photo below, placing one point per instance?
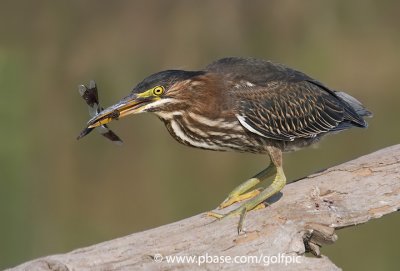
(302, 219)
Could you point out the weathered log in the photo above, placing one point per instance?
(302, 219)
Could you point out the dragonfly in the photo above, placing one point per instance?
(91, 97)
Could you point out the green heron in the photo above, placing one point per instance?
(243, 105)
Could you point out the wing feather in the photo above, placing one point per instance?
(289, 110)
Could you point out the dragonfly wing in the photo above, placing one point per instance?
(107, 133)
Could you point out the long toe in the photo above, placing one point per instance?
(237, 198)
(215, 215)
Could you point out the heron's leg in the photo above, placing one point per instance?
(278, 183)
(238, 194)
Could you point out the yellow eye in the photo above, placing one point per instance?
(158, 90)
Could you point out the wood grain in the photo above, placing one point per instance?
(302, 219)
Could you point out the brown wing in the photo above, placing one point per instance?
(282, 103)
(288, 110)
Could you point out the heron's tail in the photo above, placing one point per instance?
(355, 104)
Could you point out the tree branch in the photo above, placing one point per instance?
(302, 220)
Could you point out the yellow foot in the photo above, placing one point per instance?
(234, 212)
(257, 196)
(231, 199)
(241, 211)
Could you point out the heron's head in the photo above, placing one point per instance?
(163, 93)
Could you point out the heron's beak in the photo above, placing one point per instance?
(127, 106)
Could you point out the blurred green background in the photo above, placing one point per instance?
(57, 194)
